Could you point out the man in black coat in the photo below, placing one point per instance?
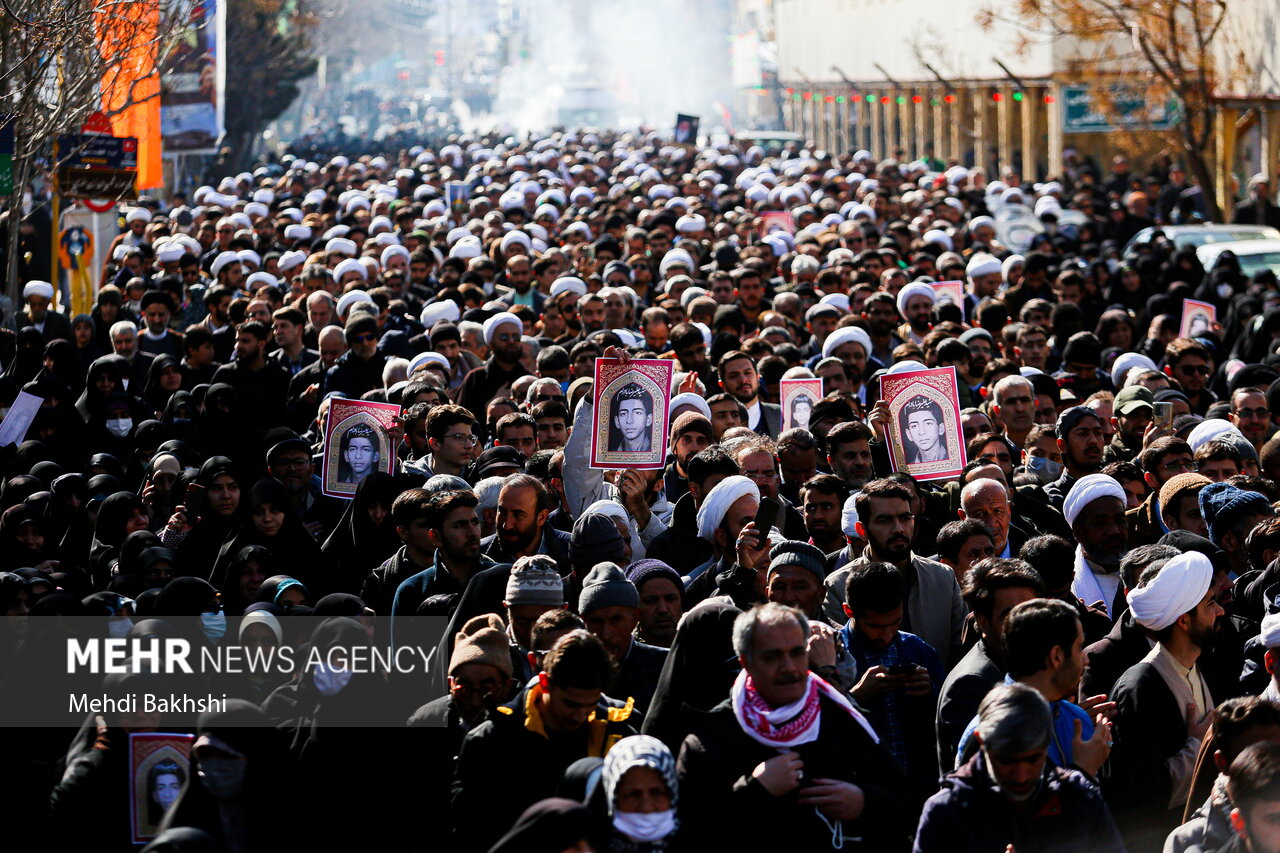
(359, 369)
(1163, 702)
(1258, 209)
(52, 325)
(993, 588)
(261, 383)
(749, 781)
(555, 720)
(610, 604)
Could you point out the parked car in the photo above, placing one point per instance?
(1254, 255)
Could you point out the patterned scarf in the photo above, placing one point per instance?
(790, 725)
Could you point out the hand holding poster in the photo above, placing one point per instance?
(1197, 318)
(687, 129)
(925, 438)
(798, 397)
(631, 399)
(357, 442)
(159, 765)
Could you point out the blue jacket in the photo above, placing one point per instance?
(1064, 716)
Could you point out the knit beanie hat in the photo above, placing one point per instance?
(482, 640)
(595, 539)
(1174, 487)
(642, 571)
(802, 554)
(535, 580)
(1224, 506)
(607, 586)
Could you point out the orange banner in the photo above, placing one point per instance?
(131, 85)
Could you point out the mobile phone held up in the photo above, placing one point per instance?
(766, 516)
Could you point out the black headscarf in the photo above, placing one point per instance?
(550, 824)
(357, 546)
(294, 549)
(91, 399)
(199, 550)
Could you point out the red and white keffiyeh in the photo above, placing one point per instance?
(790, 725)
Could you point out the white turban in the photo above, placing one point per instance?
(37, 288)
(223, 260)
(170, 253)
(445, 311)
(1087, 490)
(718, 501)
(466, 248)
(289, 260)
(348, 300)
(1176, 589)
(849, 516)
(982, 264)
(568, 284)
(706, 332)
(690, 293)
(394, 251)
(916, 288)
(1207, 431)
(938, 236)
(297, 232)
(261, 278)
(341, 245)
(688, 399)
(691, 223)
(844, 335)
(1009, 263)
(1125, 362)
(674, 257)
(138, 214)
(1270, 635)
(906, 366)
(422, 359)
(350, 265)
(839, 301)
(491, 325)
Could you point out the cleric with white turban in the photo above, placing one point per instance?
(718, 501)
(1093, 582)
(916, 288)
(1176, 589)
(844, 335)
(444, 311)
(502, 319)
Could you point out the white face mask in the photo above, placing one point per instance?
(330, 682)
(1225, 291)
(640, 826)
(214, 625)
(119, 427)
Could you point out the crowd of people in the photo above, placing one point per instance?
(1073, 646)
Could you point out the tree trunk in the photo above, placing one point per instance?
(1208, 186)
(13, 287)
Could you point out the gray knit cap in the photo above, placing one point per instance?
(607, 586)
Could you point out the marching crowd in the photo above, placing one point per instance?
(1073, 646)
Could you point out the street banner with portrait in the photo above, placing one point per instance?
(159, 764)
(357, 442)
(798, 397)
(925, 438)
(1198, 318)
(952, 290)
(686, 131)
(631, 425)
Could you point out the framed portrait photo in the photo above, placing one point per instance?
(1198, 318)
(798, 397)
(951, 290)
(356, 443)
(925, 439)
(159, 764)
(630, 425)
